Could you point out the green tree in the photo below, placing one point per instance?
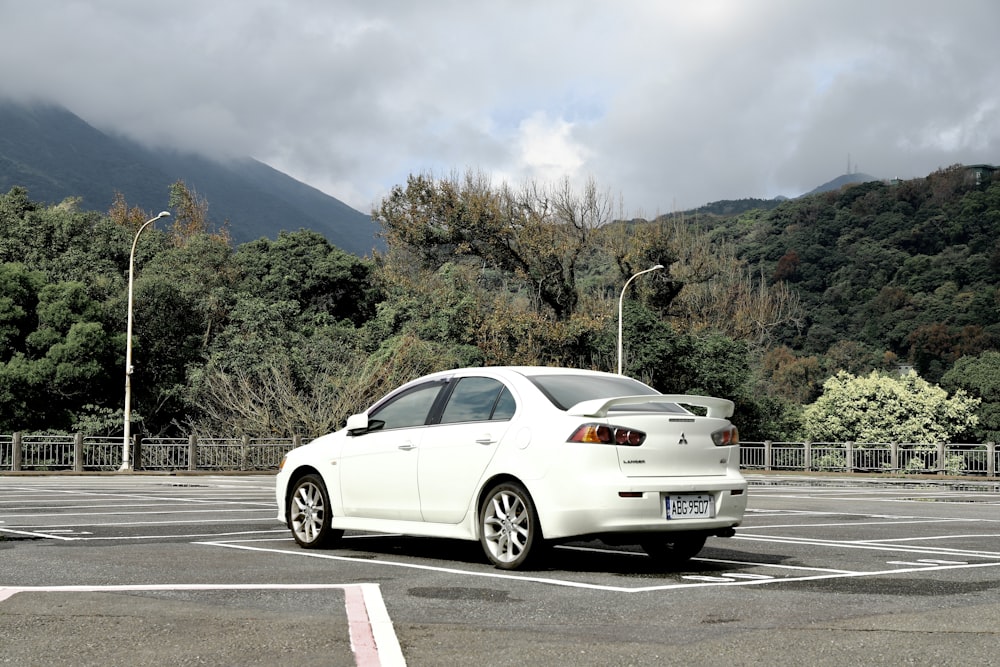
(18, 302)
(182, 292)
(979, 376)
(306, 268)
(790, 376)
(64, 366)
(534, 235)
(63, 242)
(854, 357)
(706, 363)
(883, 408)
(167, 343)
(446, 305)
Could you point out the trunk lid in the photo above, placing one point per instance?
(678, 442)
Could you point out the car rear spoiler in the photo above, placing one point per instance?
(719, 408)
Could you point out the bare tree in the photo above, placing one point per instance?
(533, 234)
(269, 402)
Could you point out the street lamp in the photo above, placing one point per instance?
(128, 346)
(621, 299)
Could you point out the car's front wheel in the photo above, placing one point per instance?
(508, 526)
(674, 549)
(309, 514)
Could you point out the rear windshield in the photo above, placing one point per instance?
(565, 391)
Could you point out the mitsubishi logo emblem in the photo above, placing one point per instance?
(683, 440)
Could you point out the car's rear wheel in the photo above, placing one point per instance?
(309, 514)
(508, 526)
(673, 550)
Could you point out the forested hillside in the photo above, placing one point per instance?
(289, 336)
(907, 272)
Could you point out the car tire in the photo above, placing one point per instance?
(673, 550)
(309, 514)
(509, 530)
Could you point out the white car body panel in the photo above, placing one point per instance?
(428, 480)
(452, 461)
(377, 475)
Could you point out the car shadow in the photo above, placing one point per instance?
(578, 557)
(369, 546)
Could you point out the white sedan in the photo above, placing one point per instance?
(519, 458)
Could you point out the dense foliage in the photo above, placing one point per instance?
(907, 269)
(883, 408)
(979, 376)
(289, 336)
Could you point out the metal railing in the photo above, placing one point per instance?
(891, 457)
(78, 453)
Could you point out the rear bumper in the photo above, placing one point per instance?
(639, 506)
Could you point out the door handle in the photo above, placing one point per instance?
(485, 440)
(407, 446)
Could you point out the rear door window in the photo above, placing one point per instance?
(478, 399)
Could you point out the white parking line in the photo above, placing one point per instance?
(921, 538)
(927, 561)
(368, 617)
(119, 524)
(777, 566)
(711, 560)
(373, 638)
(699, 583)
(113, 512)
(867, 545)
(889, 520)
(31, 533)
(86, 536)
(921, 499)
(903, 548)
(115, 508)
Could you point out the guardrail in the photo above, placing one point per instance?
(891, 457)
(78, 453)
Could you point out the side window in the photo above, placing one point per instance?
(504, 410)
(408, 409)
(477, 399)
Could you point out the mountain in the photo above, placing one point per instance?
(909, 268)
(54, 154)
(736, 206)
(841, 181)
(725, 207)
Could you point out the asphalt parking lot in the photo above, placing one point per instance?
(142, 570)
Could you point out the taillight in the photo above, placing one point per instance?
(604, 434)
(726, 437)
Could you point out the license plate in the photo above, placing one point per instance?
(690, 507)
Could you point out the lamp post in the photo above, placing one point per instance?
(621, 300)
(126, 464)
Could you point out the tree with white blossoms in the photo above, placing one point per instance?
(887, 408)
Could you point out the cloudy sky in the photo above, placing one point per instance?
(666, 104)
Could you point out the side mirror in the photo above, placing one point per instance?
(357, 424)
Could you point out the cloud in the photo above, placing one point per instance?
(667, 104)
(547, 150)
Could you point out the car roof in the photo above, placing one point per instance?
(503, 371)
(526, 370)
